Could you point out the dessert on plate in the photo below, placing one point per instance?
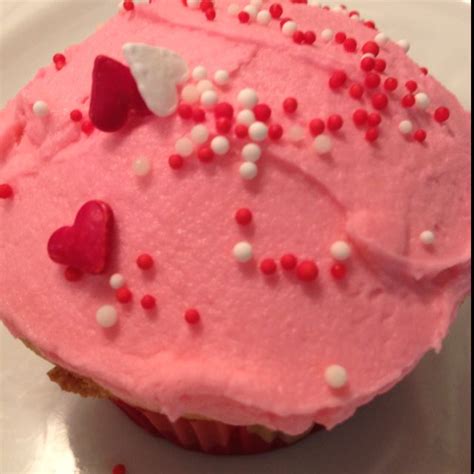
(239, 221)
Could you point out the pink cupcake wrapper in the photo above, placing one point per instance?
(211, 437)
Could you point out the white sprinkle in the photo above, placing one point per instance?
(258, 131)
(243, 252)
(194, 4)
(340, 251)
(116, 281)
(220, 145)
(251, 152)
(221, 77)
(233, 9)
(106, 316)
(248, 170)
(296, 134)
(367, 55)
(256, 3)
(336, 376)
(252, 11)
(428, 237)
(314, 3)
(184, 147)
(327, 35)
(246, 117)
(322, 144)
(422, 100)
(247, 98)
(355, 17)
(40, 108)
(404, 44)
(199, 73)
(289, 28)
(337, 9)
(209, 98)
(141, 166)
(204, 85)
(190, 94)
(405, 127)
(381, 39)
(264, 17)
(200, 134)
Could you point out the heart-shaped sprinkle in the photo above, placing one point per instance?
(114, 94)
(86, 244)
(158, 72)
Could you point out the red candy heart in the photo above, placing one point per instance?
(86, 245)
(114, 93)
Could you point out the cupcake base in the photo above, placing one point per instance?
(211, 437)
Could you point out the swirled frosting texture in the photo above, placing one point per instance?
(262, 347)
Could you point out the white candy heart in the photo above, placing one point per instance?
(157, 72)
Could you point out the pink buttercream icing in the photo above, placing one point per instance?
(260, 352)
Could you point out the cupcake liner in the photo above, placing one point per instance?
(211, 437)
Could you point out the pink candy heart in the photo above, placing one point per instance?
(86, 244)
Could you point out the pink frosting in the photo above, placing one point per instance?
(261, 350)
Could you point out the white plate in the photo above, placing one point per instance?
(420, 427)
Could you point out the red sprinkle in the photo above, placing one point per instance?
(340, 37)
(374, 119)
(380, 65)
(224, 109)
(412, 86)
(276, 10)
(310, 37)
(307, 271)
(123, 295)
(176, 162)
(59, 61)
(390, 84)
(290, 105)
(244, 17)
(420, 135)
(185, 111)
(72, 274)
(288, 262)
(408, 101)
(339, 271)
(192, 316)
(241, 131)
(367, 64)
(145, 261)
(87, 127)
(298, 37)
(442, 114)
(338, 79)
(370, 24)
(372, 80)
(275, 131)
(371, 47)
(223, 125)
(360, 117)
(6, 191)
(335, 122)
(356, 91)
(119, 469)
(268, 266)
(199, 115)
(372, 134)
(205, 5)
(316, 127)
(210, 14)
(243, 216)
(148, 302)
(262, 112)
(380, 101)
(205, 154)
(424, 70)
(350, 45)
(76, 115)
(128, 5)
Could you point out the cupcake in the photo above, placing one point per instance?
(238, 223)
